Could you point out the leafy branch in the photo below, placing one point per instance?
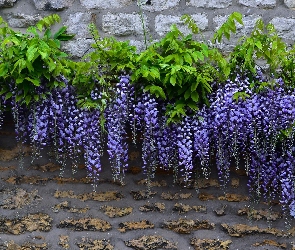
(228, 26)
(180, 70)
(263, 44)
(100, 68)
(31, 59)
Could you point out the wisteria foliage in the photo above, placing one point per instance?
(232, 132)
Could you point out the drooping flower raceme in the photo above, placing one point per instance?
(201, 143)
(185, 147)
(2, 108)
(117, 116)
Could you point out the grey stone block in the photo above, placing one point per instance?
(285, 27)
(164, 22)
(159, 5)
(259, 3)
(140, 45)
(52, 4)
(78, 23)
(78, 47)
(105, 4)
(218, 4)
(7, 3)
(290, 3)
(19, 20)
(123, 24)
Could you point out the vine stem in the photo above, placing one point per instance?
(143, 24)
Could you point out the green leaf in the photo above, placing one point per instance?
(3, 69)
(14, 39)
(62, 54)
(179, 59)
(200, 55)
(195, 96)
(194, 85)
(232, 26)
(39, 26)
(190, 22)
(19, 80)
(31, 52)
(205, 49)
(193, 106)
(2, 91)
(188, 58)
(18, 98)
(227, 27)
(258, 45)
(30, 66)
(267, 54)
(61, 31)
(179, 104)
(154, 72)
(65, 37)
(33, 30)
(175, 113)
(156, 90)
(242, 95)
(227, 34)
(36, 82)
(36, 98)
(238, 17)
(168, 59)
(207, 86)
(20, 64)
(28, 99)
(51, 65)
(187, 94)
(8, 95)
(47, 33)
(44, 55)
(173, 79)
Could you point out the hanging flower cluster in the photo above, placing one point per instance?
(2, 108)
(250, 129)
(185, 147)
(242, 128)
(117, 119)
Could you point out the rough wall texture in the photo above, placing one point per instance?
(122, 19)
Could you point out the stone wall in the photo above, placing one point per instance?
(122, 19)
